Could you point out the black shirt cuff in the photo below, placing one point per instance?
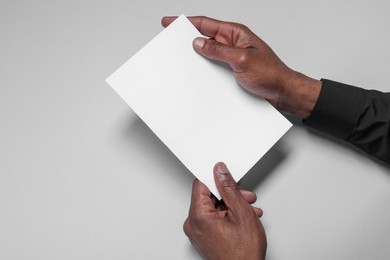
(337, 109)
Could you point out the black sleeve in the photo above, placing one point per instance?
(356, 115)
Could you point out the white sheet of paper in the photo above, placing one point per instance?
(196, 107)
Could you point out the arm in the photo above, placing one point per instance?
(361, 117)
(358, 116)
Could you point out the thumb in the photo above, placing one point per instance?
(215, 50)
(228, 187)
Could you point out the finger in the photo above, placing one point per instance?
(167, 20)
(225, 32)
(209, 26)
(205, 25)
(228, 187)
(222, 207)
(258, 212)
(249, 196)
(214, 199)
(214, 50)
(200, 199)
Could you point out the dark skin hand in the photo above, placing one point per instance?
(254, 64)
(231, 230)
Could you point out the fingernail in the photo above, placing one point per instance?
(222, 169)
(199, 42)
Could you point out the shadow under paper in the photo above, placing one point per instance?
(296, 121)
(265, 166)
(150, 144)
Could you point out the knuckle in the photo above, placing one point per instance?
(230, 185)
(195, 225)
(245, 28)
(196, 220)
(187, 227)
(215, 47)
(239, 27)
(202, 20)
(244, 59)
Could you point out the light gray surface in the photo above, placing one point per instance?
(81, 177)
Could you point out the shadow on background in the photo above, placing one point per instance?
(279, 152)
(138, 134)
(265, 166)
(297, 122)
(147, 142)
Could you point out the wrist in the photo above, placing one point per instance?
(298, 94)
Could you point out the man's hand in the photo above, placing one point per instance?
(228, 230)
(255, 66)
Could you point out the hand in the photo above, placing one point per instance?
(231, 230)
(255, 66)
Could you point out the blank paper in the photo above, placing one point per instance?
(196, 107)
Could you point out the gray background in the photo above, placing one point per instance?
(81, 177)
